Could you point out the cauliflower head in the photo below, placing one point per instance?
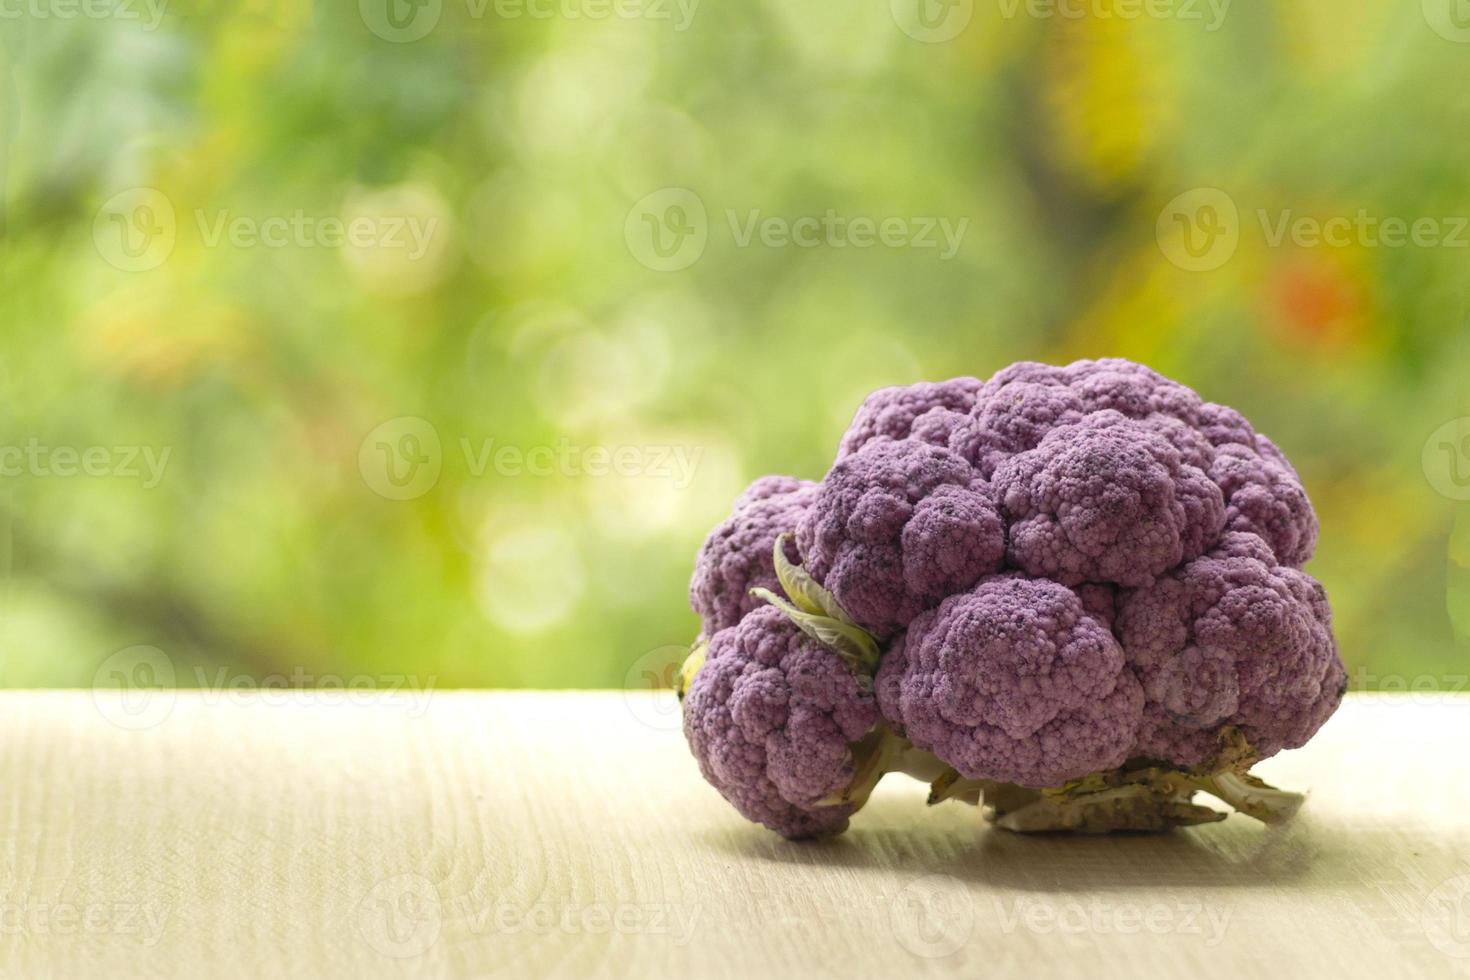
(1074, 592)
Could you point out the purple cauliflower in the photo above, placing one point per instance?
(897, 527)
(770, 716)
(736, 557)
(1071, 592)
(1013, 681)
(1106, 499)
(1231, 639)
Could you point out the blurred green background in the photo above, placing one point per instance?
(350, 341)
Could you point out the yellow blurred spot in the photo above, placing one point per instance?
(1109, 94)
(660, 482)
(566, 95)
(590, 376)
(1376, 512)
(1336, 36)
(531, 577)
(1143, 303)
(159, 338)
(398, 239)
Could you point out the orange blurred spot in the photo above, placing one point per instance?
(1318, 302)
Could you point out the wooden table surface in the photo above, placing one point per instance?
(569, 834)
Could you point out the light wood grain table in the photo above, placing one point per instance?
(569, 834)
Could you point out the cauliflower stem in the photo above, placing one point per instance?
(1141, 795)
(876, 755)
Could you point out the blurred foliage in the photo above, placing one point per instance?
(523, 142)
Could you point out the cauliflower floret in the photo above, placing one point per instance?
(736, 557)
(1133, 389)
(1017, 417)
(1013, 681)
(1106, 500)
(890, 413)
(1231, 639)
(962, 434)
(1264, 496)
(1100, 601)
(1025, 372)
(770, 716)
(897, 527)
(1222, 425)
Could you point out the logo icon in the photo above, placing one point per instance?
(650, 684)
(1446, 917)
(667, 230)
(400, 917)
(932, 21)
(1450, 19)
(400, 21)
(134, 688)
(933, 916)
(1197, 688)
(135, 230)
(1446, 459)
(1199, 230)
(401, 459)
